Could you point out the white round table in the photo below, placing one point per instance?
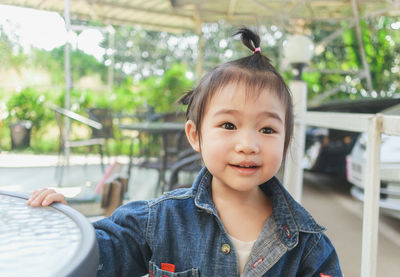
(44, 241)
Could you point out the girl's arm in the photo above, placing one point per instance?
(123, 241)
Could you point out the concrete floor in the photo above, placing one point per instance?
(329, 201)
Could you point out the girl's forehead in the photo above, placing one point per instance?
(234, 92)
(238, 98)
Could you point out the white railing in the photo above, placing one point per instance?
(374, 125)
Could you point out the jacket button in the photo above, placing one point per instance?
(226, 248)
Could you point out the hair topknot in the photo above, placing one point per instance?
(249, 38)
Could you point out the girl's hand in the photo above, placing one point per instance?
(44, 197)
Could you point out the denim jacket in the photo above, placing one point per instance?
(183, 228)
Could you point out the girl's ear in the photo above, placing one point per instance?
(192, 135)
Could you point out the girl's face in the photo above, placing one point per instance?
(242, 138)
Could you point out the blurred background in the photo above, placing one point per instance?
(120, 63)
(141, 68)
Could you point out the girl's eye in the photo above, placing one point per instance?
(228, 126)
(267, 130)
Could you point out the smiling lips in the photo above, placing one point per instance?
(245, 168)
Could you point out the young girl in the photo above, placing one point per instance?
(237, 219)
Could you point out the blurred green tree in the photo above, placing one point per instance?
(381, 43)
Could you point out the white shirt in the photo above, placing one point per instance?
(242, 249)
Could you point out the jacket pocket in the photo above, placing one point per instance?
(155, 271)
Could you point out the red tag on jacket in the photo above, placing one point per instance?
(168, 267)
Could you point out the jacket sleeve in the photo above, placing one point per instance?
(321, 258)
(122, 240)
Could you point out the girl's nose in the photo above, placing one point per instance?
(247, 145)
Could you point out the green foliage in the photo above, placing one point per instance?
(28, 104)
(81, 64)
(125, 97)
(15, 61)
(10, 56)
(51, 62)
(151, 68)
(158, 92)
(141, 54)
(44, 145)
(161, 93)
(78, 99)
(381, 45)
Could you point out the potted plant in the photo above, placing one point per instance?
(26, 110)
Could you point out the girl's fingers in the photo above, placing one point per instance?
(45, 197)
(34, 195)
(40, 196)
(54, 197)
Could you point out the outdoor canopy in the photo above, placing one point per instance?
(180, 15)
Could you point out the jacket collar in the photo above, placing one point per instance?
(290, 217)
(202, 191)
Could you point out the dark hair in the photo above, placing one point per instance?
(255, 72)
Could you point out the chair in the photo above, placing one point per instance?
(105, 117)
(175, 142)
(191, 163)
(128, 118)
(66, 143)
(175, 146)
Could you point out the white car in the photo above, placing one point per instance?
(390, 169)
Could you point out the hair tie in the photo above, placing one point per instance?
(258, 49)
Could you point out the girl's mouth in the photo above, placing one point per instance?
(246, 165)
(245, 168)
